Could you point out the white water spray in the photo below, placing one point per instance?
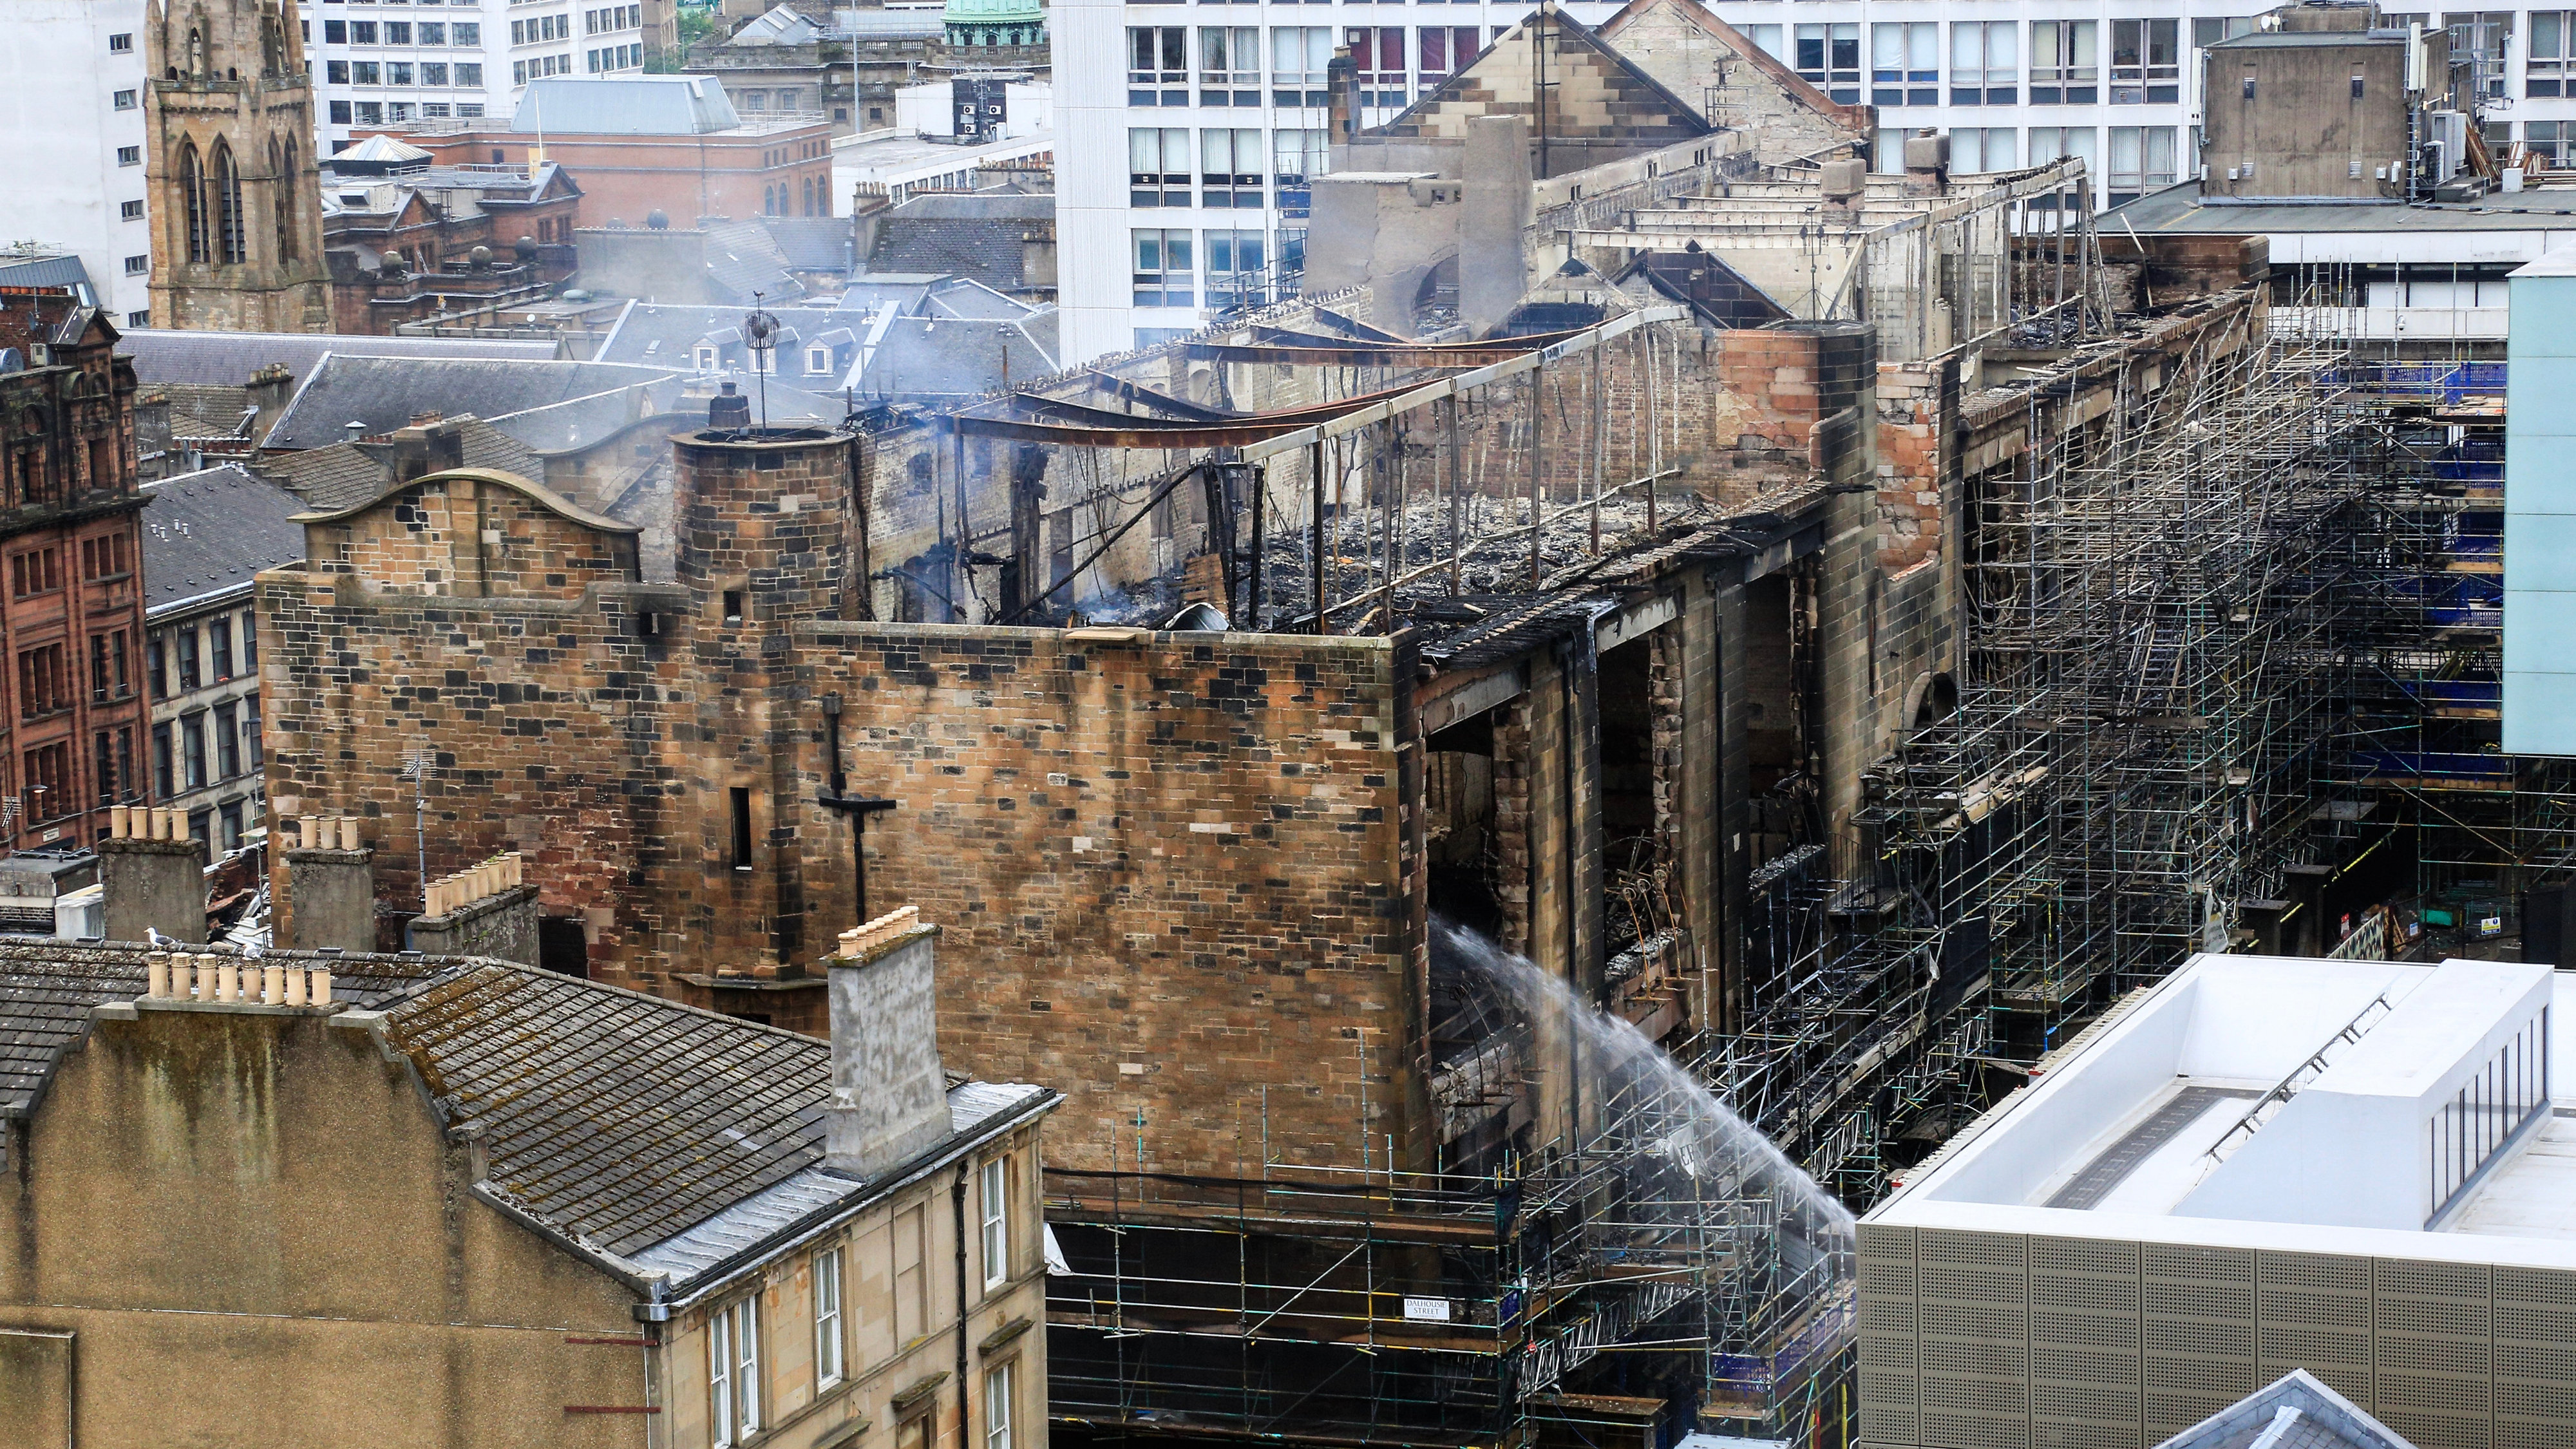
(1699, 1190)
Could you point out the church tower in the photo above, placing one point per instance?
(235, 195)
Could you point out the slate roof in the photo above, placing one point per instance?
(931, 357)
(654, 1136)
(652, 335)
(384, 393)
(344, 474)
(21, 269)
(813, 243)
(974, 234)
(162, 355)
(743, 258)
(209, 531)
(48, 987)
(625, 1121)
(205, 409)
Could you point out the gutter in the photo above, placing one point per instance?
(726, 1272)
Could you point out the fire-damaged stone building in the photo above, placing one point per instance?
(1247, 708)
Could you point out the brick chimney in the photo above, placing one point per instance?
(889, 1092)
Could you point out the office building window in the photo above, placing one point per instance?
(120, 44)
(2142, 160)
(2545, 66)
(397, 32)
(2063, 66)
(1443, 50)
(1229, 65)
(1296, 156)
(1158, 166)
(433, 33)
(362, 32)
(1235, 275)
(467, 34)
(1299, 58)
(1377, 63)
(2146, 64)
(469, 76)
(1905, 64)
(339, 111)
(1158, 61)
(1985, 63)
(2481, 38)
(1829, 57)
(1230, 167)
(1767, 38)
(1165, 275)
(122, 100)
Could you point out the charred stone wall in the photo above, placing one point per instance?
(1172, 870)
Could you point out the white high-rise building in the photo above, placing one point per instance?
(392, 62)
(1186, 133)
(73, 113)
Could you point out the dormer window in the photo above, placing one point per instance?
(818, 359)
(706, 359)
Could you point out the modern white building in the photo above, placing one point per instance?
(1167, 117)
(73, 113)
(381, 64)
(2363, 1169)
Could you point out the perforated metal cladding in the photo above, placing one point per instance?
(2312, 1312)
(2084, 1345)
(1973, 1302)
(2535, 1358)
(1888, 1330)
(2433, 1364)
(2196, 1311)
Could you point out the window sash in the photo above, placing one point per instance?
(828, 1361)
(996, 1192)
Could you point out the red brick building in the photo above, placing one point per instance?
(71, 617)
(671, 144)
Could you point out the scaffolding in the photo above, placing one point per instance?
(1658, 1254)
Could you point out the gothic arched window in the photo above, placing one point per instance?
(192, 202)
(225, 182)
(281, 200)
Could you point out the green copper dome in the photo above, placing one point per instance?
(995, 22)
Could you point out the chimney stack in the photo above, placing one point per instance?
(330, 885)
(150, 876)
(728, 409)
(889, 1092)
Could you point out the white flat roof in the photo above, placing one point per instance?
(2115, 1139)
